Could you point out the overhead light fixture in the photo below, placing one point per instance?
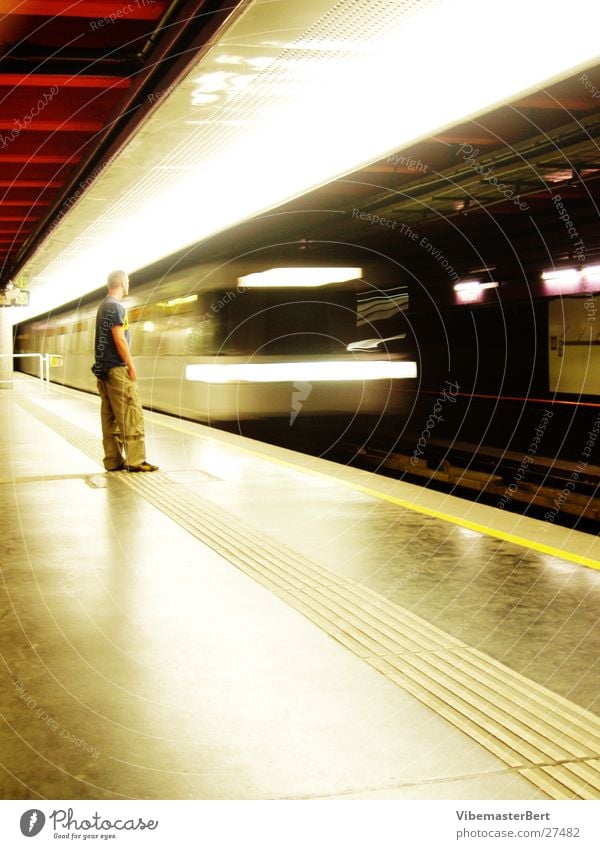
(203, 98)
(307, 371)
(591, 274)
(562, 276)
(186, 299)
(475, 284)
(215, 81)
(298, 277)
(471, 291)
(571, 281)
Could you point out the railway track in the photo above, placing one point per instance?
(561, 491)
(553, 487)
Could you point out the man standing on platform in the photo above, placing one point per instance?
(121, 410)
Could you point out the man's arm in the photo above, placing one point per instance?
(122, 347)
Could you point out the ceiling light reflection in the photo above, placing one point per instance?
(299, 277)
(308, 371)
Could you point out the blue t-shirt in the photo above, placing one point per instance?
(110, 314)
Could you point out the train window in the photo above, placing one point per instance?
(285, 323)
(173, 336)
(138, 337)
(178, 306)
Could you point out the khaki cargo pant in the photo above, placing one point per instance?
(122, 420)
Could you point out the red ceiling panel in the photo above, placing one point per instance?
(37, 159)
(74, 84)
(39, 126)
(113, 10)
(63, 81)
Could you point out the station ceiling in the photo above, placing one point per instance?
(76, 79)
(79, 79)
(515, 192)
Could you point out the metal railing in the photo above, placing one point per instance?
(44, 366)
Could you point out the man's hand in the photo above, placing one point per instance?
(131, 371)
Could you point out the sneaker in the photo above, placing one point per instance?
(143, 467)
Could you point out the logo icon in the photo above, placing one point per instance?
(301, 393)
(32, 822)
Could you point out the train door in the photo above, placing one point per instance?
(574, 345)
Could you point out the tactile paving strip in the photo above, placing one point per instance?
(552, 742)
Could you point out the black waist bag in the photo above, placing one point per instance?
(100, 371)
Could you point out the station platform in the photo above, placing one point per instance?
(253, 623)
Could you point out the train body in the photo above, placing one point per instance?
(291, 365)
(210, 349)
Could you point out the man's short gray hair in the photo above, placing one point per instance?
(115, 279)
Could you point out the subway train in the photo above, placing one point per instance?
(239, 341)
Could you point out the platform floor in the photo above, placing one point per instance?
(250, 623)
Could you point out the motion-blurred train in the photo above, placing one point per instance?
(236, 341)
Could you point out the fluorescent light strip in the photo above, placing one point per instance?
(469, 285)
(591, 273)
(307, 371)
(570, 281)
(298, 277)
(564, 276)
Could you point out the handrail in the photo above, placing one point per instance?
(44, 365)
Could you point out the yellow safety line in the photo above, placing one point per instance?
(409, 505)
(400, 502)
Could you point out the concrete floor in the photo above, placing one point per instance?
(138, 663)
